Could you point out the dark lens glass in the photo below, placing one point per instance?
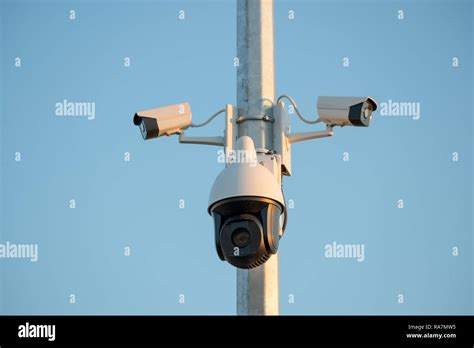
(241, 237)
(143, 129)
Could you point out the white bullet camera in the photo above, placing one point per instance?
(246, 202)
(346, 111)
(167, 120)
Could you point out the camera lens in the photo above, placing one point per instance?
(143, 129)
(241, 237)
(367, 112)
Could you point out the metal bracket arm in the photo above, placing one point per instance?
(297, 137)
(215, 141)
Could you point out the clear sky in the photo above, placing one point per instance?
(422, 251)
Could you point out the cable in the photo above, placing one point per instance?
(290, 99)
(208, 120)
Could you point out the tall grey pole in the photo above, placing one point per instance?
(257, 289)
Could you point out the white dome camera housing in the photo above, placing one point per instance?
(246, 202)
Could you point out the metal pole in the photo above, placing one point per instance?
(257, 289)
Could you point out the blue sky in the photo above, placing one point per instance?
(135, 203)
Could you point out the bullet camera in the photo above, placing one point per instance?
(346, 111)
(246, 202)
(167, 120)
